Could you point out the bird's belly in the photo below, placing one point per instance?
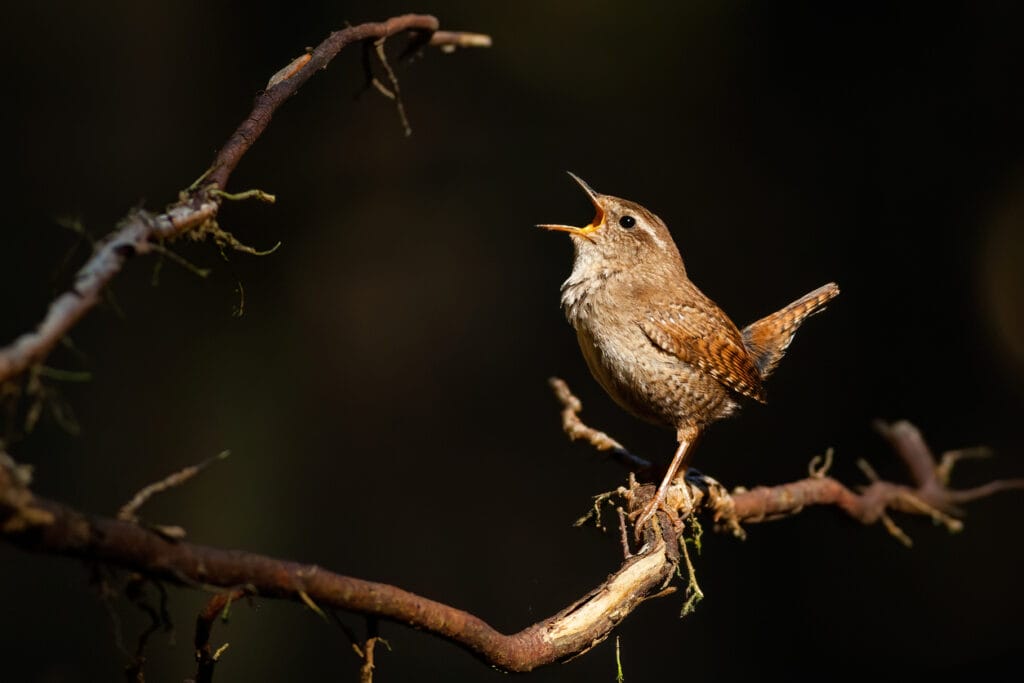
(653, 385)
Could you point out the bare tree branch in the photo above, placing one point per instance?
(141, 232)
(46, 526)
(929, 496)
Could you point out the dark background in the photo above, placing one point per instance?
(384, 393)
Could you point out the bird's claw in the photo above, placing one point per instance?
(644, 518)
(677, 510)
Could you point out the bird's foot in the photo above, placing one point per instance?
(646, 514)
(675, 500)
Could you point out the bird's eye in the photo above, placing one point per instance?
(627, 222)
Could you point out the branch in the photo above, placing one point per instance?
(129, 512)
(930, 494)
(575, 429)
(141, 232)
(46, 526)
(206, 656)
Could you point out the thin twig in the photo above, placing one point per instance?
(449, 41)
(159, 618)
(575, 428)
(395, 93)
(366, 670)
(368, 650)
(129, 511)
(216, 607)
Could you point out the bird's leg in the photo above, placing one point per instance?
(685, 441)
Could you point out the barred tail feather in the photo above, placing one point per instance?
(768, 338)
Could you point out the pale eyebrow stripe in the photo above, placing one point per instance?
(646, 228)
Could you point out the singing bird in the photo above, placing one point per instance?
(661, 348)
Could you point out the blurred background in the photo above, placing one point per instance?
(383, 392)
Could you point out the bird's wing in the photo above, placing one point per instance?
(683, 331)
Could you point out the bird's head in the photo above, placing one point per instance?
(622, 234)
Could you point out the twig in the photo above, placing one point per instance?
(159, 617)
(198, 205)
(268, 102)
(449, 41)
(366, 670)
(216, 607)
(575, 428)
(129, 511)
(367, 651)
(395, 92)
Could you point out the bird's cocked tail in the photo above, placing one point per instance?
(768, 338)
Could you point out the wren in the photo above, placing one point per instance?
(656, 344)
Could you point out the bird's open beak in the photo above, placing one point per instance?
(595, 224)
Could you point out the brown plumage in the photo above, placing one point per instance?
(768, 338)
(660, 348)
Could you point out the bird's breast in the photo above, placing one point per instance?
(644, 380)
